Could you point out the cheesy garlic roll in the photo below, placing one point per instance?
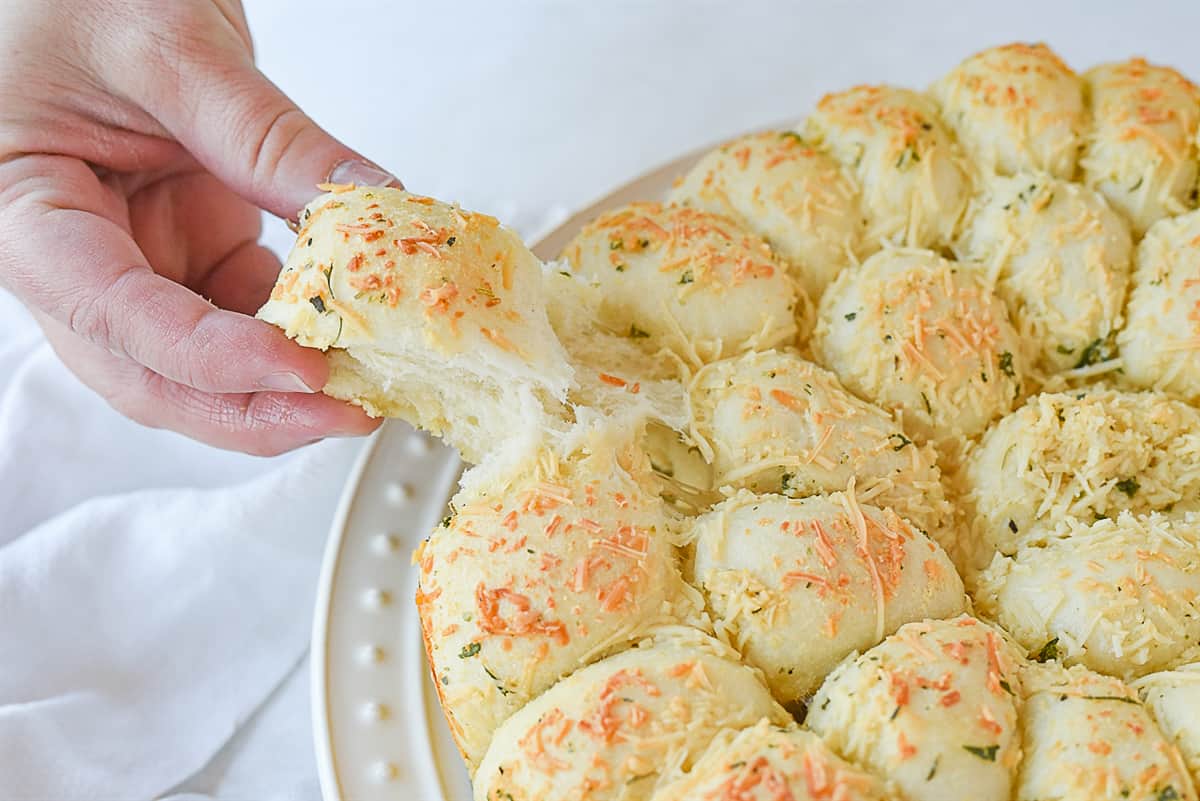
(1121, 596)
(1141, 149)
(925, 338)
(799, 584)
(933, 708)
(1084, 454)
(774, 422)
(1160, 344)
(616, 729)
(538, 574)
(1059, 257)
(793, 195)
(686, 280)
(1173, 697)
(773, 763)
(430, 313)
(914, 181)
(1016, 108)
(1087, 737)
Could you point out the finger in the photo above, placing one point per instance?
(187, 222)
(62, 251)
(262, 423)
(242, 281)
(248, 133)
(195, 231)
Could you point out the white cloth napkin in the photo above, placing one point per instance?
(153, 591)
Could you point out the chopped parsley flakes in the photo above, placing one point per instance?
(984, 752)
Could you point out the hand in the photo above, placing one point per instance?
(137, 141)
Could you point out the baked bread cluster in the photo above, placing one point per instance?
(864, 466)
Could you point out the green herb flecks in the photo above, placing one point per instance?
(317, 303)
(908, 156)
(850, 317)
(1122, 699)
(1129, 486)
(638, 333)
(687, 277)
(1006, 364)
(985, 752)
(1100, 350)
(469, 651)
(503, 690)
(904, 442)
(1048, 651)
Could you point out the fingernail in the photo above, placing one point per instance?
(358, 429)
(362, 173)
(284, 382)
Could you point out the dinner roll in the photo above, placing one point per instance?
(1173, 698)
(1160, 345)
(1085, 454)
(773, 422)
(798, 584)
(773, 763)
(791, 194)
(915, 184)
(1015, 108)
(433, 314)
(1088, 738)
(1119, 596)
(1141, 151)
(614, 729)
(932, 708)
(538, 574)
(926, 338)
(686, 280)
(1059, 257)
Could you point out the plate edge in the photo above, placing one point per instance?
(318, 650)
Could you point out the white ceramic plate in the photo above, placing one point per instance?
(378, 728)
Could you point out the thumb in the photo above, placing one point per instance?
(249, 134)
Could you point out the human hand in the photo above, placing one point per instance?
(137, 141)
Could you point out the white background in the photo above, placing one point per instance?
(525, 110)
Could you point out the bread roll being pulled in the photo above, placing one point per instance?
(430, 313)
